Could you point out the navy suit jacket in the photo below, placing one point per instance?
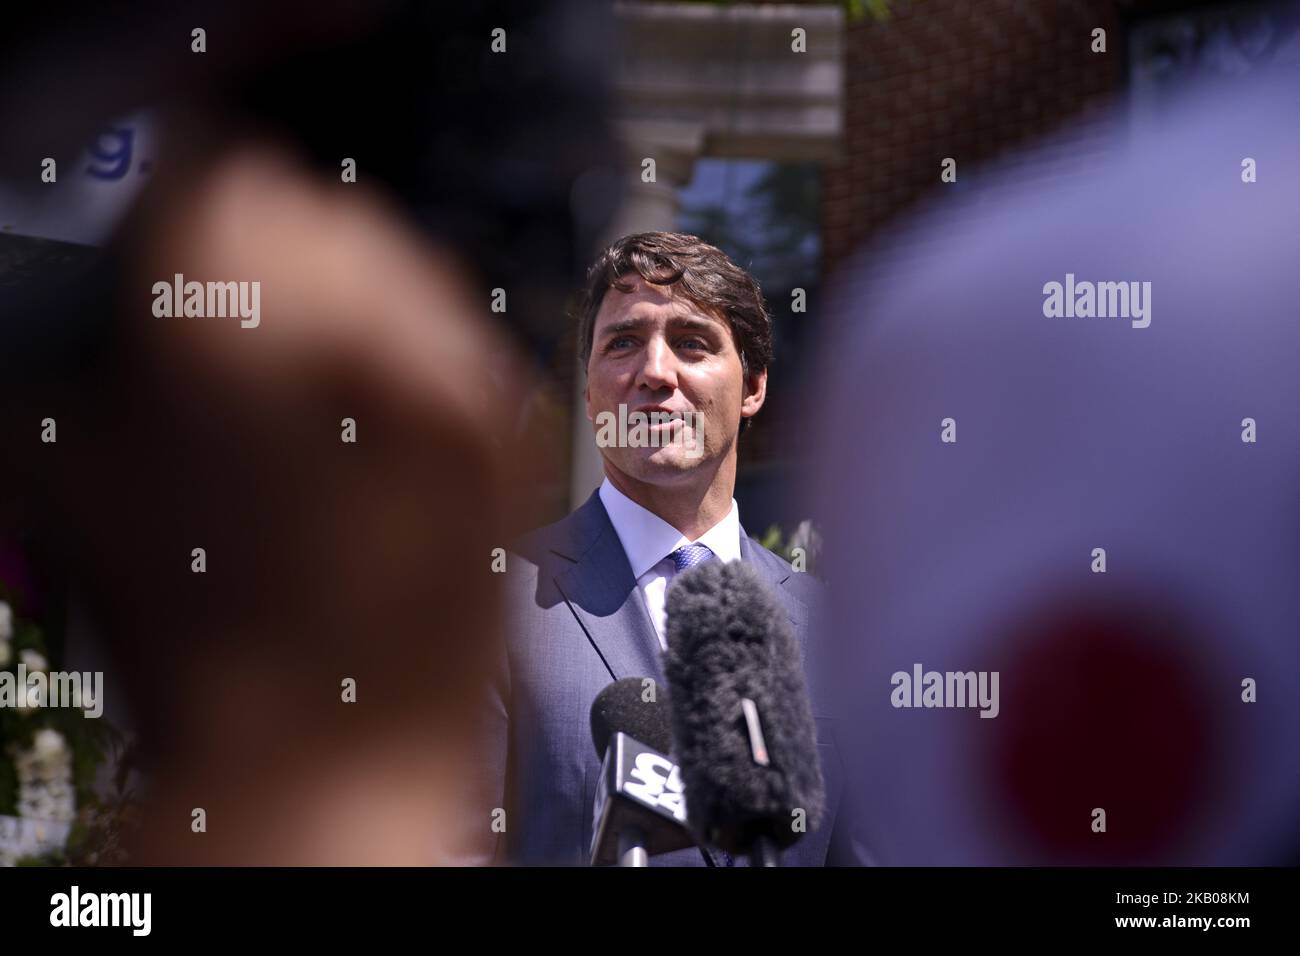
(575, 622)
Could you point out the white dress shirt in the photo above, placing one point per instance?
(649, 541)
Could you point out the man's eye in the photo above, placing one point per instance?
(694, 344)
(621, 342)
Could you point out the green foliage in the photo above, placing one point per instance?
(855, 9)
(805, 536)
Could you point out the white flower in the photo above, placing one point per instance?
(44, 770)
(31, 696)
(48, 745)
(6, 621)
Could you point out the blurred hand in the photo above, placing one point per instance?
(325, 560)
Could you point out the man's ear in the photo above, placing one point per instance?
(586, 397)
(755, 394)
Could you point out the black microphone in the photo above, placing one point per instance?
(637, 707)
(742, 724)
(640, 808)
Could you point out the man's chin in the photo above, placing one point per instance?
(659, 466)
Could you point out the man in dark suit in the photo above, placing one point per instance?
(668, 325)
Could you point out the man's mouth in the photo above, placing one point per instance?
(660, 417)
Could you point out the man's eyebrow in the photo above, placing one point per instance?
(692, 322)
(625, 325)
(676, 322)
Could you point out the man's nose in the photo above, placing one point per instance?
(658, 367)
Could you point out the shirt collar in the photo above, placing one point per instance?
(647, 538)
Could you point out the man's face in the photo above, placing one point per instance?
(654, 350)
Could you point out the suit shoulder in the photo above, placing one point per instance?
(774, 560)
(527, 588)
(806, 587)
(535, 546)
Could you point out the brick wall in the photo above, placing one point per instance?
(968, 79)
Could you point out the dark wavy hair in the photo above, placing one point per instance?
(704, 274)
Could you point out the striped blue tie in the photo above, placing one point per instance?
(684, 558)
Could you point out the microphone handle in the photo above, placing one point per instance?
(631, 848)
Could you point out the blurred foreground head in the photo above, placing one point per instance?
(1124, 691)
(325, 560)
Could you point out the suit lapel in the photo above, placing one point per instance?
(604, 598)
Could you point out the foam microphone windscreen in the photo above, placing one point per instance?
(729, 639)
(634, 706)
